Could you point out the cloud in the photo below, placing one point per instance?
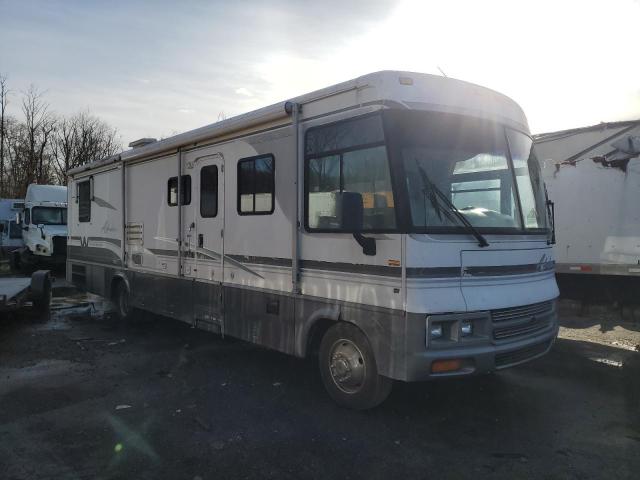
(244, 91)
(135, 66)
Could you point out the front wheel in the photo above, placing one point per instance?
(348, 368)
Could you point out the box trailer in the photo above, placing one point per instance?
(593, 176)
(394, 225)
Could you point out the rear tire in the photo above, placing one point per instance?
(121, 301)
(348, 369)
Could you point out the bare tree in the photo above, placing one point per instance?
(40, 124)
(41, 148)
(16, 149)
(4, 100)
(79, 140)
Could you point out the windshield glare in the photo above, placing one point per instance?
(48, 216)
(529, 178)
(467, 160)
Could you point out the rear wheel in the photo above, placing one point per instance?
(348, 368)
(121, 301)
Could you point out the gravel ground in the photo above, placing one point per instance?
(82, 397)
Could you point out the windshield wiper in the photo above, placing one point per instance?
(451, 207)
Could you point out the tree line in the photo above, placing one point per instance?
(40, 146)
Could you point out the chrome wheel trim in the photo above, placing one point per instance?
(347, 366)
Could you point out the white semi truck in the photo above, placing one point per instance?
(44, 227)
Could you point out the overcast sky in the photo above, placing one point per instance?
(153, 68)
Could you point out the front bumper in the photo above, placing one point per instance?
(479, 357)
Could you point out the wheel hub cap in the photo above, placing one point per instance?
(347, 366)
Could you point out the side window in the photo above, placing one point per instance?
(347, 170)
(185, 190)
(256, 185)
(27, 216)
(209, 191)
(84, 201)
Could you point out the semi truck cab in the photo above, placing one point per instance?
(44, 227)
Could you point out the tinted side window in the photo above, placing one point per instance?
(84, 201)
(347, 162)
(344, 135)
(185, 190)
(256, 185)
(209, 191)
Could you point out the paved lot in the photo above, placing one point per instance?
(82, 398)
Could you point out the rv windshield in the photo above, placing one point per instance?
(472, 162)
(48, 216)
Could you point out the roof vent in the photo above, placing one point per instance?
(142, 142)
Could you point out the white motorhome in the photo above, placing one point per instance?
(10, 231)
(394, 224)
(44, 227)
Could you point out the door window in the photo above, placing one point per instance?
(209, 191)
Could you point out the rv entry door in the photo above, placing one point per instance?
(203, 218)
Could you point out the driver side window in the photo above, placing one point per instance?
(348, 159)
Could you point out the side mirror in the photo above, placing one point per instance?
(352, 220)
(351, 211)
(551, 215)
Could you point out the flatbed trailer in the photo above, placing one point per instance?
(16, 292)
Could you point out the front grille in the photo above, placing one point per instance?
(59, 245)
(512, 323)
(514, 313)
(514, 357)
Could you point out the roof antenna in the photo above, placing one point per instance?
(443, 74)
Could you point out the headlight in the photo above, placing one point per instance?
(435, 331)
(466, 328)
(448, 329)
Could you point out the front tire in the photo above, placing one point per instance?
(348, 369)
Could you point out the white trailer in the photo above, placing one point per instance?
(593, 176)
(394, 225)
(597, 192)
(10, 231)
(44, 227)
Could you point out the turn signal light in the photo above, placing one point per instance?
(443, 366)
